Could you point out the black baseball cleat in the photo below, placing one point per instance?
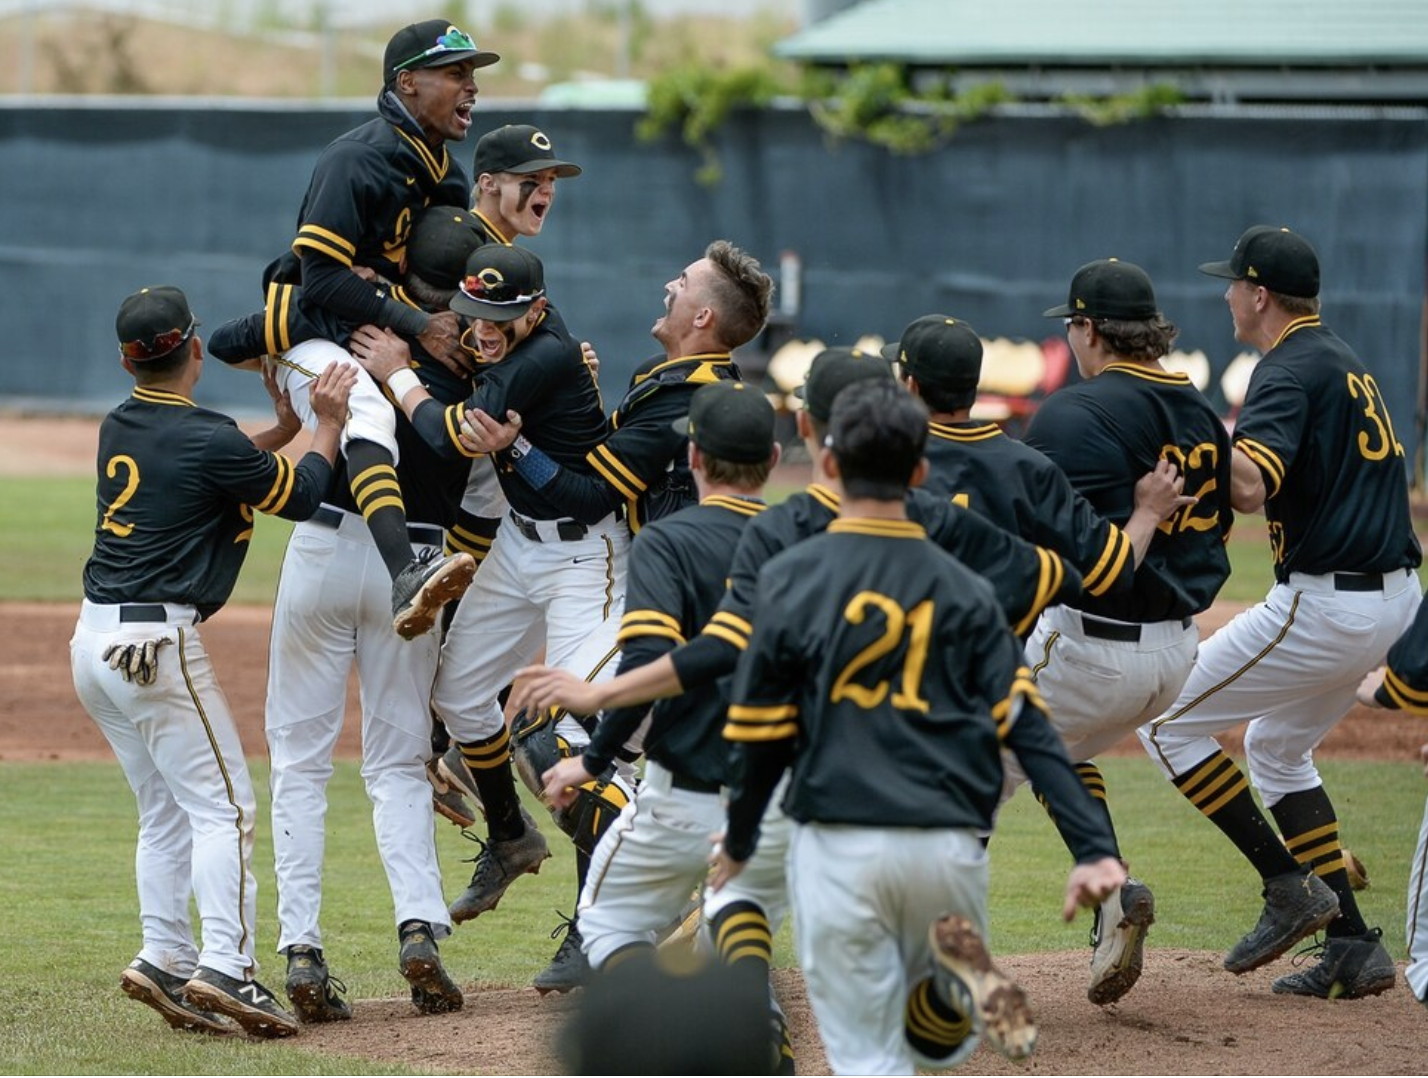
(1296, 904)
(314, 992)
(163, 991)
(1349, 967)
(498, 865)
(433, 992)
(569, 969)
(246, 1002)
(428, 583)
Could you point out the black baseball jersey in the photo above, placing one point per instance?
(1019, 490)
(432, 483)
(365, 192)
(178, 486)
(885, 670)
(1025, 579)
(643, 464)
(1405, 682)
(546, 380)
(1105, 434)
(1336, 493)
(678, 569)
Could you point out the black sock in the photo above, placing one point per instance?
(373, 478)
(1311, 832)
(931, 1024)
(489, 762)
(472, 535)
(1218, 788)
(741, 934)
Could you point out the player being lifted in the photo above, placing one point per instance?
(353, 226)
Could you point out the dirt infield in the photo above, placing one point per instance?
(1186, 1016)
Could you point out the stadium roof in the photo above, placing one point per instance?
(1270, 33)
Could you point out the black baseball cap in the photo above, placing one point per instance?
(939, 351)
(519, 148)
(500, 283)
(433, 43)
(442, 239)
(832, 370)
(1109, 288)
(1276, 258)
(733, 421)
(153, 322)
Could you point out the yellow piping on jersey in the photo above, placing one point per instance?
(1402, 694)
(1150, 374)
(243, 854)
(325, 241)
(436, 167)
(638, 623)
(492, 229)
(729, 628)
(400, 294)
(735, 505)
(709, 362)
(965, 434)
(1266, 459)
(768, 723)
(823, 496)
(1294, 327)
(282, 487)
(614, 472)
(1053, 574)
(886, 529)
(161, 396)
(1105, 572)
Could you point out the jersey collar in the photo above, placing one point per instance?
(1306, 322)
(161, 396)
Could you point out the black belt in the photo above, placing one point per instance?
(426, 534)
(693, 785)
(132, 612)
(1115, 630)
(568, 530)
(1358, 582)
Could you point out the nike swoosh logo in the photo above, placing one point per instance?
(592, 557)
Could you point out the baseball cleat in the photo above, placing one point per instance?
(1349, 967)
(315, 994)
(163, 991)
(428, 583)
(569, 969)
(497, 867)
(966, 974)
(246, 1002)
(1296, 904)
(433, 991)
(446, 799)
(1118, 941)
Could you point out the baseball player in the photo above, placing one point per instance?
(332, 610)
(656, 854)
(1111, 660)
(177, 488)
(1013, 485)
(1314, 449)
(716, 304)
(882, 671)
(549, 579)
(1403, 684)
(365, 191)
(744, 917)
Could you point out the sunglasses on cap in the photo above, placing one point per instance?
(475, 288)
(451, 41)
(161, 344)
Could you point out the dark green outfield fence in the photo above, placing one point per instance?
(99, 197)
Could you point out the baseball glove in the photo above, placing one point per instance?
(536, 747)
(137, 662)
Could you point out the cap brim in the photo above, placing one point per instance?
(681, 425)
(488, 312)
(1219, 269)
(891, 351)
(563, 169)
(480, 57)
(1064, 311)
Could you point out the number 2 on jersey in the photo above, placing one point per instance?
(916, 624)
(131, 484)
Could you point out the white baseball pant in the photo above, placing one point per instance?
(334, 607)
(370, 416)
(180, 751)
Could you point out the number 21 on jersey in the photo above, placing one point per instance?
(914, 625)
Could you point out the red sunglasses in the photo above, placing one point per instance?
(161, 345)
